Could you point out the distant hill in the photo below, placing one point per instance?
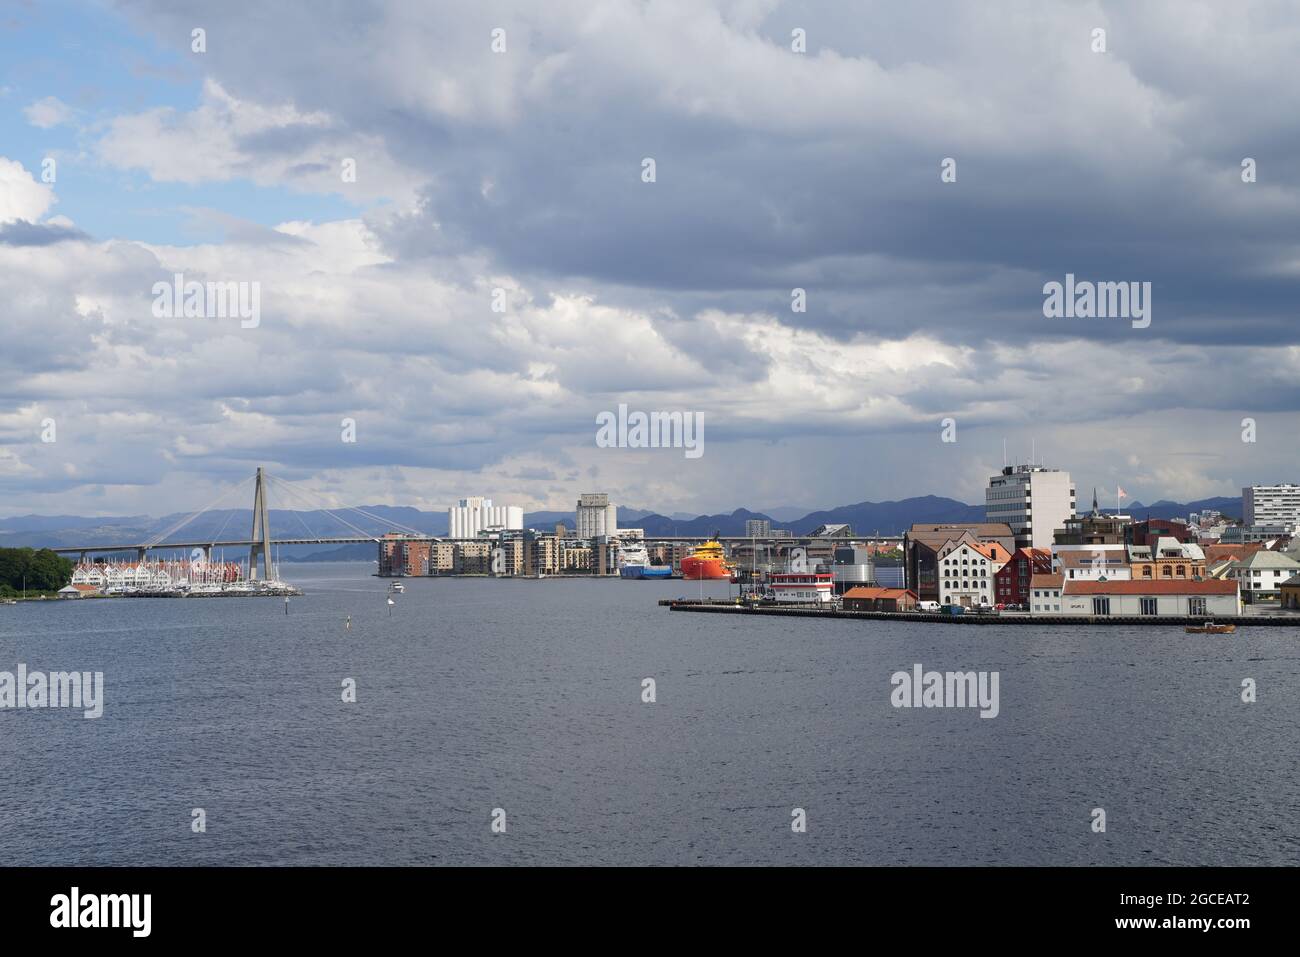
(1230, 507)
(866, 518)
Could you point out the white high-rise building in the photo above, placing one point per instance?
(596, 516)
(1035, 501)
(1271, 505)
(470, 516)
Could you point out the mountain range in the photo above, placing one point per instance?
(866, 518)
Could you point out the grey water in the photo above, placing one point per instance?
(526, 696)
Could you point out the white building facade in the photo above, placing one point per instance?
(1271, 505)
(966, 571)
(470, 516)
(1033, 500)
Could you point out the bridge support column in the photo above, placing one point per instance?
(261, 537)
(140, 554)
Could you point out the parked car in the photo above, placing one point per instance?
(930, 606)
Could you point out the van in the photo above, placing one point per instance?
(930, 606)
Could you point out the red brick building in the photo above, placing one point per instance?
(1011, 582)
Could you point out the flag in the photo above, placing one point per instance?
(1122, 493)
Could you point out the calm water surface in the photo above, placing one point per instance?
(526, 695)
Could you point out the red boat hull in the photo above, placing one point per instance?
(704, 569)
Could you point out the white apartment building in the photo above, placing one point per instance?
(1271, 505)
(1035, 501)
(596, 516)
(470, 516)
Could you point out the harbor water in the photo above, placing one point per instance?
(527, 696)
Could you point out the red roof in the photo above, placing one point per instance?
(1046, 581)
(862, 591)
(1213, 586)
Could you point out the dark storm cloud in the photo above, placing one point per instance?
(22, 233)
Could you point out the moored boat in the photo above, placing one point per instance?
(1210, 628)
(708, 562)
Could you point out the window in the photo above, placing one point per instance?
(1196, 606)
(1148, 606)
(1101, 606)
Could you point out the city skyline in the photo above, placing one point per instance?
(838, 266)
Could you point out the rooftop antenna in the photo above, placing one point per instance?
(1004, 451)
(1033, 451)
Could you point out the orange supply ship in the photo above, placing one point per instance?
(706, 562)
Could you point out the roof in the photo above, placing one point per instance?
(1292, 582)
(863, 591)
(932, 535)
(824, 531)
(1046, 581)
(1214, 586)
(1090, 559)
(993, 551)
(1236, 552)
(1267, 559)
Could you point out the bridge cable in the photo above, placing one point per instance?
(378, 520)
(168, 532)
(369, 536)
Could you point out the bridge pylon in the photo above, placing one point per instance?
(261, 537)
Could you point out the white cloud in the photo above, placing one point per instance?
(21, 196)
(48, 112)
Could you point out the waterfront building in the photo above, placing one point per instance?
(1271, 505)
(1262, 574)
(1045, 594)
(470, 516)
(1289, 593)
(1033, 500)
(1011, 581)
(1095, 563)
(758, 528)
(596, 516)
(1167, 558)
(801, 588)
(1158, 598)
(851, 565)
(966, 572)
(442, 558)
(575, 558)
(921, 545)
(473, 558)
(865, 598)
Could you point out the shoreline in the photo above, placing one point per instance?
(732, 608)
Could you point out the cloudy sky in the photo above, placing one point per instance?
(521, 170)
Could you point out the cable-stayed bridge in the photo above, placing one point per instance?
(259, 543)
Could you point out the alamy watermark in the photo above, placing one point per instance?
(212, 300)
(651, 430)
(58, 689)
(1098, 300)
(946, 689)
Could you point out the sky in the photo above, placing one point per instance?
(501, 269)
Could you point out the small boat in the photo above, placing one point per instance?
(1210, 628)
(398, 587)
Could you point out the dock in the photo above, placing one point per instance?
(732, 607)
